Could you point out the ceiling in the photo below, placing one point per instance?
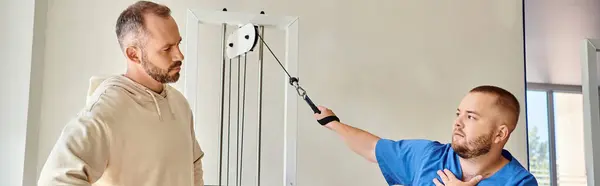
(554, 31)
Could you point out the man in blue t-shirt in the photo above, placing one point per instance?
(485, 118)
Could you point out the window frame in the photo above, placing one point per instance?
(550, 89)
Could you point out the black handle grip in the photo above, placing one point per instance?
(312, 105)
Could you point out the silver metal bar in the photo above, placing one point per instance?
(243, 119)
(224, 34)
(237, 137)
(260, 91)
(229, 124)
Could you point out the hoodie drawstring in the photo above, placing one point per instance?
(155, 104)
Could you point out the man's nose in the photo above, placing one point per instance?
(458, 122)
(178, 55)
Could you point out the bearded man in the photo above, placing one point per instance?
(135, 129)
(485, 118)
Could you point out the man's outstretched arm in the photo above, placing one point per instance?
(358, 140)
(398, 160)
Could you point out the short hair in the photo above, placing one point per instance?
(506, 100)
(130, 24)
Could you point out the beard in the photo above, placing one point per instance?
(159, 74)
(471, 149)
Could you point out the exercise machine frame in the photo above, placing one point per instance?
(289, 24)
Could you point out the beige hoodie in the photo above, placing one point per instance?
(127, 135)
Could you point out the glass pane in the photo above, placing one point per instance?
(537, 124)
(568, 118)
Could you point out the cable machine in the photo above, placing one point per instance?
(247, 37)
(237, 45)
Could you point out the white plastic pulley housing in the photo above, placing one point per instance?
(241, 40)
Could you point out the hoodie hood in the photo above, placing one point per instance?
(139, 93)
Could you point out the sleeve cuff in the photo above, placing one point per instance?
(382, 150)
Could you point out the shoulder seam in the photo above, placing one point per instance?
(97, 100)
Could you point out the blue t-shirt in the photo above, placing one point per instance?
(416, 162)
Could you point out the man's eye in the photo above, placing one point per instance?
(470, 117)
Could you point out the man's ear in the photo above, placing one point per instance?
(133, 54)
(502, 133)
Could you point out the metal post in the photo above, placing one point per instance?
(229, 124)
(224, 28)
(260, 83)
(243, 119)
(237, 137)
(291, 106)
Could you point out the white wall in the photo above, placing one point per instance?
(16, 35)
(81, 42)
(425, 54)
(22, 51)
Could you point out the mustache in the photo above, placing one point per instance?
(175, 65)
(459, 133)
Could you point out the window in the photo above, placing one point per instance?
(555, 134)
(537, 123)
(568, 121)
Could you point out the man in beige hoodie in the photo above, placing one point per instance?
(135, 129)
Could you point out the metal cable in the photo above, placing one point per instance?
(268, 48)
